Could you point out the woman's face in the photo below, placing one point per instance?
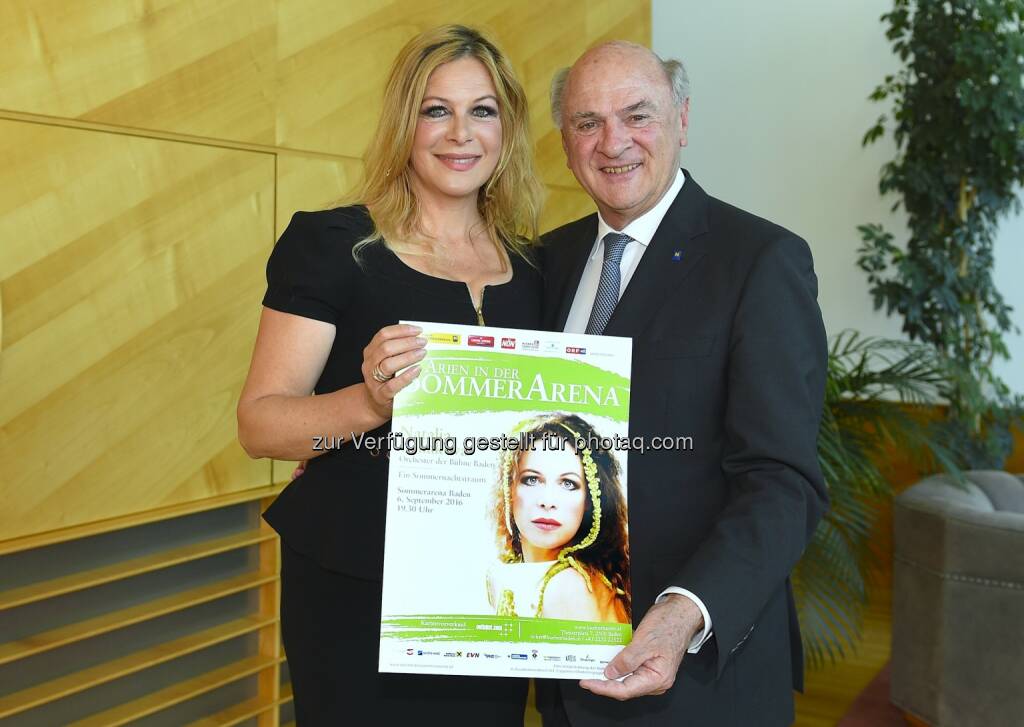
(458, 134)
(549, 498)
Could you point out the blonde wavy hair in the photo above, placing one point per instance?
(510, 201)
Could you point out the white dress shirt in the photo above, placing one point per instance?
(642, 231)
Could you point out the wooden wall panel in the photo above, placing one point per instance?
(617, 20)
(131, 281)
(185, 66)
(150, 155)
(601, 20)
(345, 51)
(564, 205)
(305, 183)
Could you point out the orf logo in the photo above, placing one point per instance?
(485, 341)
(575, 349)
(508, 343)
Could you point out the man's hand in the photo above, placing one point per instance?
(651, 660)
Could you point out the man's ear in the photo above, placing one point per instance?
(684, 120)
(565, 146)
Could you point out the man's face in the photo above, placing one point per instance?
(621, 131)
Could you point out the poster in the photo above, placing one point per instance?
(506, 547)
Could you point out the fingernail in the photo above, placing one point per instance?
(415, 329)
(415, 370)
(421, 340)
(610, 672)
(421, 353)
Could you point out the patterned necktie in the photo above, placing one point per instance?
(608, 288)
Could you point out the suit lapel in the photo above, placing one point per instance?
(576, 259)
(675, 250)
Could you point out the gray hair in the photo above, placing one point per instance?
(675, 74)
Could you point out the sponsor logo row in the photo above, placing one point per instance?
(533, 655)
(508, 343)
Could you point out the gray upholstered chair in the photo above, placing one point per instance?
(958, 601)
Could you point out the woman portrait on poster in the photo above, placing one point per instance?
(560, 517)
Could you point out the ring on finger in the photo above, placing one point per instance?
(380, 376)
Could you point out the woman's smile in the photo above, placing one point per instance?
(459, 162)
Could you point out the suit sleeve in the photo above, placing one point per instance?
(776, 382)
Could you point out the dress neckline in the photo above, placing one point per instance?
(394, 266)
(448, 282)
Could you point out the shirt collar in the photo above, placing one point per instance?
(642, 229)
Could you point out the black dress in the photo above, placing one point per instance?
(331, 519)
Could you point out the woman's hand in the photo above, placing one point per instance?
(392, 349)
(278, 417)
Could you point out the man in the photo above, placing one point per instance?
(729, 349)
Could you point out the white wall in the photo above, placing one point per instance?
(778, 109)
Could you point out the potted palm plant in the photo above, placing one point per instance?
(874, 391)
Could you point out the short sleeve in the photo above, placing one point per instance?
(310, 269)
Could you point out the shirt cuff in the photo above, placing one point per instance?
(702, 636)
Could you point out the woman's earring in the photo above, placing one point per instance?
(387, 172)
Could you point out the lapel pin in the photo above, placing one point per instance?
(677, 256)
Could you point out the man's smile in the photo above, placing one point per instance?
(621, 168)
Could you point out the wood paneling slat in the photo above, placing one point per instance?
(238, 713)
(133, 567)
(107, 622)
(268, 687)
(177, 693)
(213, 143)
(108, 671)
(245, 710)
(140, 518)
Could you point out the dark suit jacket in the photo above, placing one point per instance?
(728, 348)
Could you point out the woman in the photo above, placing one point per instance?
(561, 520)
(449, 199)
